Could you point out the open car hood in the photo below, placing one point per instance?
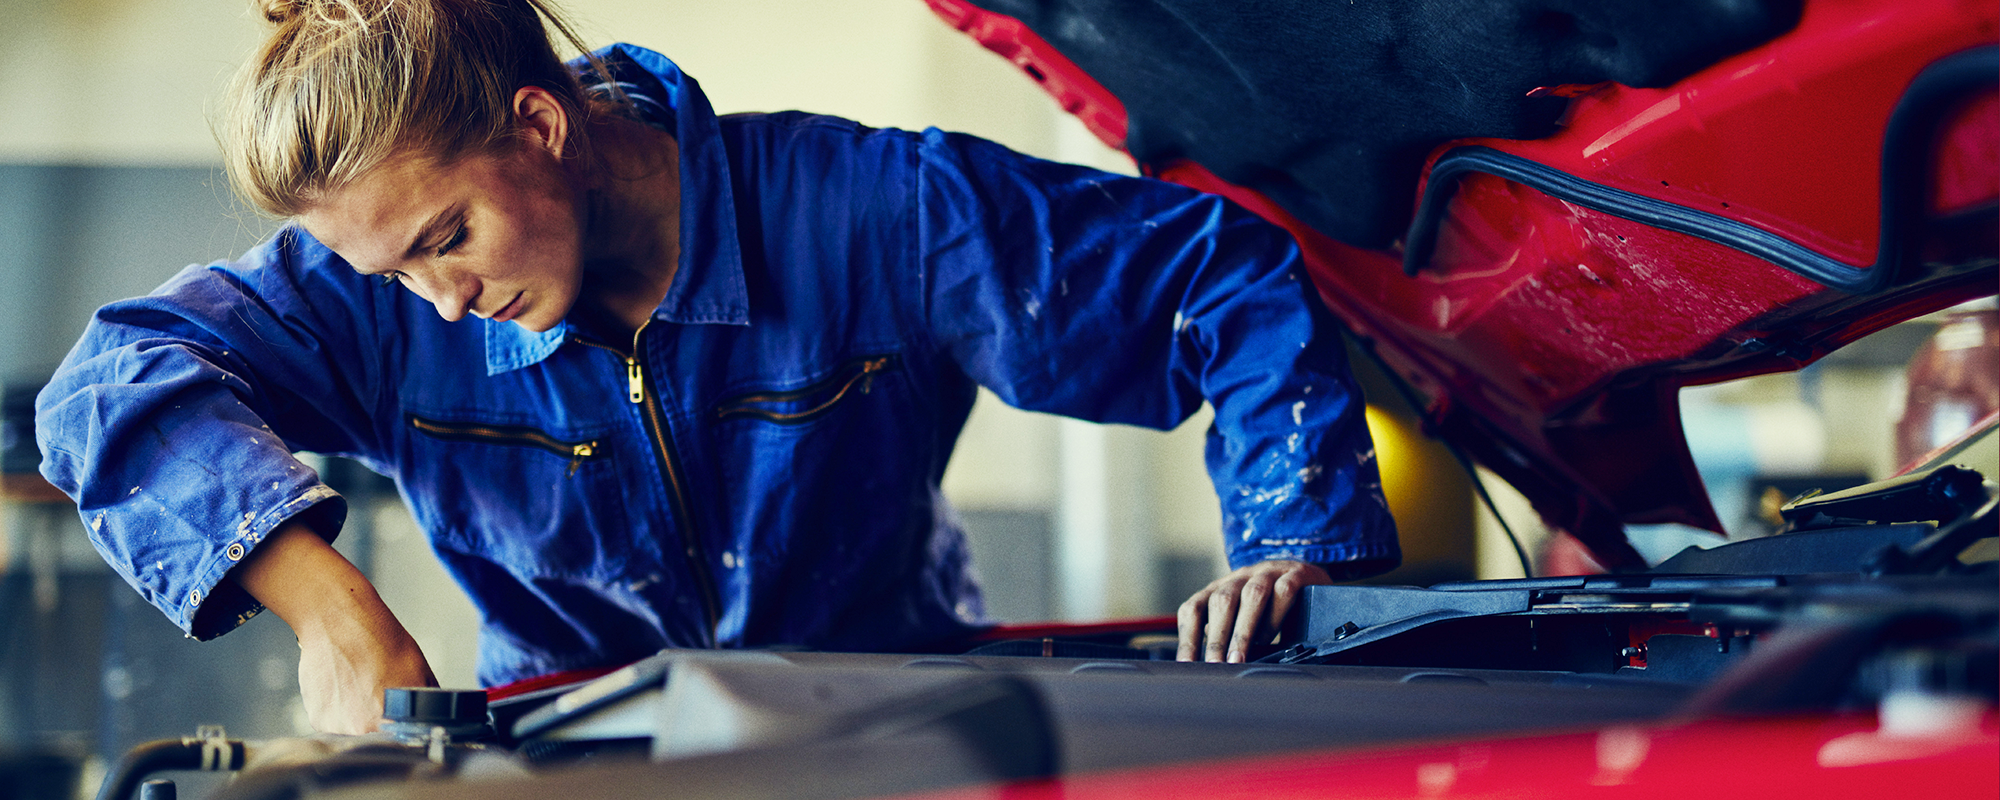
(1547, 217)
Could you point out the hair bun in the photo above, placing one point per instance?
(281, 11)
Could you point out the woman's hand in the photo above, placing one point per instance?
(344, 666)
(351, 646)
(1222, 619)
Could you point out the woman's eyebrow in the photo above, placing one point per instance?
(433, 229)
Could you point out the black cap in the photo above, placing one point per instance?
(430, 706)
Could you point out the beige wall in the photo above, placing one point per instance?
(115, 81)
(131, 81)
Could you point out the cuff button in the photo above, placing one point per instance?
(235, 552)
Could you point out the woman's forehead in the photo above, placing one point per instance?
(376, 214)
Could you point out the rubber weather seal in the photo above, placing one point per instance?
(1906, 153)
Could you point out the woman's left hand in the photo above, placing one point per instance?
(1222, 619)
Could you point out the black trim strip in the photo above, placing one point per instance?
(1906, 152)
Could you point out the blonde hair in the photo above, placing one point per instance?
(342, 86)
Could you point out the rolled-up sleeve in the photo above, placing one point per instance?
(1129, 300)
(173, 422)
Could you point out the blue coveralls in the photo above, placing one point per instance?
(760, 465)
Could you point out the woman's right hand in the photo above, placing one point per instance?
(351, 647)
(344, 667)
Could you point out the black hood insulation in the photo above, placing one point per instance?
(1329, 107)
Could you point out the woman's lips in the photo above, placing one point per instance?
(508, 311)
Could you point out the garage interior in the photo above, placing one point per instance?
(113, 183)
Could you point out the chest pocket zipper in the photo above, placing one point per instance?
(802, 405)
(515, 435)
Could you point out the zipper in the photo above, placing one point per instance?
(639, 392)
(856, 372)
(517, 435)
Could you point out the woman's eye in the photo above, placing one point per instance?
(457, 238)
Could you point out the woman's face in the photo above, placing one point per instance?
(496, 236)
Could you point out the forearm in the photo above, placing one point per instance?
(312, 587)
(351, 646)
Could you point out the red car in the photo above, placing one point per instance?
(1544, 218)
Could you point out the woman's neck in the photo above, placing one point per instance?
(632, 222)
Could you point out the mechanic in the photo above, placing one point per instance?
(717, 369)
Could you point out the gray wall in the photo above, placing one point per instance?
(73, 238)
(85, 666)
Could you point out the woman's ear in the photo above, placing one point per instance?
(543, 119)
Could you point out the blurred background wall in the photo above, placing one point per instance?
(109, 184)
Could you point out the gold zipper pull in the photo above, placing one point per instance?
(635, 384)
(578, 453)
(868, 371)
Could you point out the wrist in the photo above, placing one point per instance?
(313, 588)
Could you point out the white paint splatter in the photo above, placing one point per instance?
(1299, 413)
(1292, 443)
(641, 584)
(1273, 496)
(1310, 472)
(1364, 456)
(1287, 542)
(97, 523)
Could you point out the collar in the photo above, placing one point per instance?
(708, 287)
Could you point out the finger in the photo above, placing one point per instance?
(1221, 612)
(1284, 592)
(1250, 606)
(1189, 620)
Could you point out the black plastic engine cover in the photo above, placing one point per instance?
(1330, 107)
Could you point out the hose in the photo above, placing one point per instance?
(140, 762)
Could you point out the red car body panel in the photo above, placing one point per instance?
(1761, 759)
(1549, 339)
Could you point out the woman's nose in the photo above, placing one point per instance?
(452, 292)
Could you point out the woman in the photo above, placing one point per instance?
(717, 372)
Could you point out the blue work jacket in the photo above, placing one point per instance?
(760, 464)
